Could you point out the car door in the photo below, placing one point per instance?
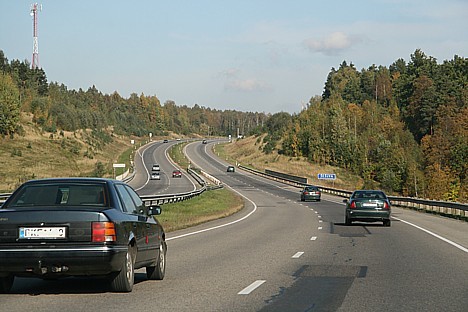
(149, 227)
(136, 219)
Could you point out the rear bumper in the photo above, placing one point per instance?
(64, 261)
(368, 215)
(310, 197)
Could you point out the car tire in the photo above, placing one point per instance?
(6, 282)
(123, 281)
(387, 222)
(348, 221)
(158, 271)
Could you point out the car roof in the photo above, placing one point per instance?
(72, 180)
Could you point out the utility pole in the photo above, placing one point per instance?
(35, 57)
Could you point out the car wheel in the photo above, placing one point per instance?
(6, 282)
(123, 281)
(387, 222)
(347, 220)
(158, 271)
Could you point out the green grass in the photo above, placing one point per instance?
(177, 155)
(210, 205)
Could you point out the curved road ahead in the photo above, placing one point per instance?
(280, 254)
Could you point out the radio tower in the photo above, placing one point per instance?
(35, 57)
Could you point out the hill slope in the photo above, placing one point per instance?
(39, 154)
(248, 151)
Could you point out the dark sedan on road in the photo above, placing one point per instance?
(52, 228)
(368, 206)
(311, 192)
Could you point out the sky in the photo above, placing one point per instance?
(253, 56)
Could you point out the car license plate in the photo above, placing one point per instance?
(371, 205)
(42, 232)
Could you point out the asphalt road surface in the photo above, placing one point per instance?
(280, 254)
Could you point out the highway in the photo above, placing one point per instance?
(278, 254)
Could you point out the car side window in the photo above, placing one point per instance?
(127, 201)
(136, 199)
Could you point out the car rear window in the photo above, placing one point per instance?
(369, 195)
(60, 195)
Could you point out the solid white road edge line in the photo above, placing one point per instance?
(247, 290)
(221, 225)
(434, 234)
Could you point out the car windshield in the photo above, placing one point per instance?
(60, 195)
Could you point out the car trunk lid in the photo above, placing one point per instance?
(46, 226)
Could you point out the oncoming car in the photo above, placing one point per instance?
(368, 206)
(155, 167)
(230, 169)
(177, 174)
(310, 192)
(62, 227)
(155, 175)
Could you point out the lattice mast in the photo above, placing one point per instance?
(35, 57)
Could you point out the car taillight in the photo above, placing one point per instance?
(353, 205)
(386, 206)
(103, 232)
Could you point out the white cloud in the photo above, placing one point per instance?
(333, 44)
(247, 85)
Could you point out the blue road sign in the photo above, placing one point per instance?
(326, 176)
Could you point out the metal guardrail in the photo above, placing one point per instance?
(173, 198)
(444, 208)
(4, 197)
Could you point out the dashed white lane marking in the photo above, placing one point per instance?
(313, 238)
(298, 254)
(247, 290)
(320, 221)
(319, 227)
(435, 235)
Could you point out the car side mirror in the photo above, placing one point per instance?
(154, 210)
(345, 201)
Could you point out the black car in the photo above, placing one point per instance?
(368, 206)
(311, 192)
(230, 169)
(62, 227)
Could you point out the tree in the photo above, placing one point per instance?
(9, 105)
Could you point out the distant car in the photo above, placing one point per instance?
(231, 169)
(165, 141)
(311, 193)
(177, 174)
(204, 142)
(155, 167)
(63, 227)
(155, 175)
(368, 206)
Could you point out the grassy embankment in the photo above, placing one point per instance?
(38, 154)
(248, 152)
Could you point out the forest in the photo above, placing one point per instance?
(402, 128)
